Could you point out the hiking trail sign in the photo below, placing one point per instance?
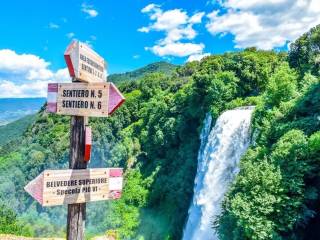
(83, 99)
(89, 95)
(58, 187)
(84, 64)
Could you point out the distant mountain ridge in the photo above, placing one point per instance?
(163, 67)
(12, 109)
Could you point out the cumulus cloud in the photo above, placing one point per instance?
(197, 57)
(13, 62)
(89, 10)
(39, 74)
(144, 29)
(34, 89)
(196, 18)
(177, 49)
(26, 75)
(178, 28)
(150, 7)
(265, 24)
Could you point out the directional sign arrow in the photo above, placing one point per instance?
(35, 188)
(84, 99)
(115, 98)
(58, 187)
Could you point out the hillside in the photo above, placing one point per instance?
(14, 130)
(161, 67)
(155, 137)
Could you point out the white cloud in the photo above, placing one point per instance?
(70, 35)
(89, 10)
(13, 62)
(150, 7)
(177, 34)
(253, 4)
(264, 23)
(144, 29)
(26, 75)
(13, 90)
(178, 28)
(62, 75)
(39, 74)
(53, 25)
(171, 19)
(177, 49)
(197, 18)
(197, 57)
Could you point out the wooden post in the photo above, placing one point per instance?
(77, 212)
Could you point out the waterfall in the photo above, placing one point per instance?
(218, 159)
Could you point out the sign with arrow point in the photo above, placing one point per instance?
(58, 187)
(84, 99)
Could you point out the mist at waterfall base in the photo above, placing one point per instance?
(218, 159)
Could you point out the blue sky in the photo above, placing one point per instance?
(132, 33)
(41, 28)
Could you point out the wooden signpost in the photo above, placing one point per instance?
(89, 95)
(58, 187)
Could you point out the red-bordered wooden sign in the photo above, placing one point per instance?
(84, 64)
(83, 99)
(58, 187)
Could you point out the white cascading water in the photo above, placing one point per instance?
(218, 159)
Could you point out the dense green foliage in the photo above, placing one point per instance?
(276, 193)
(155, 137)
(161, 67)
(162, 144)
(9, 223)
(304, 53)
(15, 129)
